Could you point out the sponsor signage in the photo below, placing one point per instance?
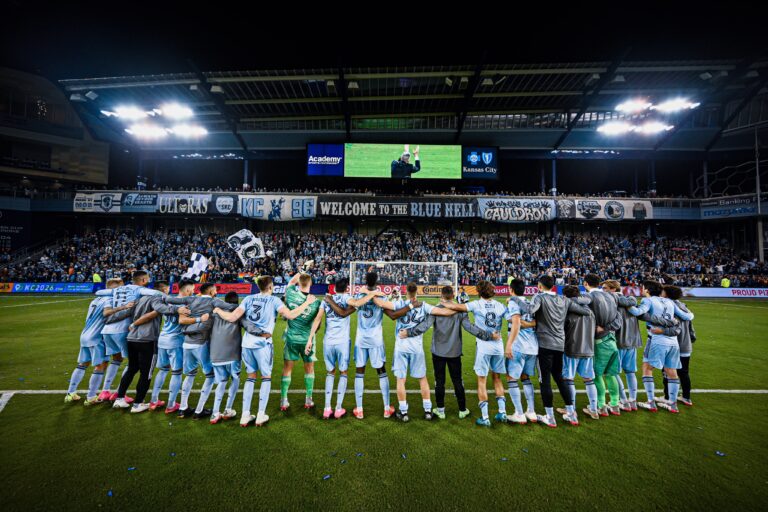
(479, 163)
(325, 160)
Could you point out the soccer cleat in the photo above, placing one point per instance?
(648, 406)
(591, 413)
(463, 414)
(532, 416)
(229, 414)
(113, 396)
(91, 401)
(309, 403)
(389, 411)
(633, 405)
(128, 399)
(603, 411)
(186, 413)
(428, 415)
(561, 410)
(261, 419)
(518, 419)
(153, 406)
(500, 417)
(483, 422)
(546, 420)
(105, 395)
(246, 419)
(202, 414)
(615, 410)
(327, 413)
(284, 405)
(661, 400)
(685, 401)
(120, 403)
(673, 409)
(358, 413)
(71, 397)
(571, 418)
(216, 418)
(137, 408)
(173, 409)
(625, 406)
(339, 413)
(402, 416)
(441, 415)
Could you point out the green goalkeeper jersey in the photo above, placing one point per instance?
(300, 327)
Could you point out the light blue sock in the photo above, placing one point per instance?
(403, 406)
(233, 386)
(591, 393)
(158, 384)
(484, 409)
(221, 387)
(501, 402)
(94, 383)
(674, 388)
(174, 387)
(359, 388)
(342, 389)
(441, 410)
(550, 412)
(186, 389)
(622, 390)
(632, 385)
(329, 389)
(248, 394)
(514, 395)
(205, 393)
(384, 385)
(77, 375)
(109, 376)
(266, 387)
(427, 404)
(649, 387)
(529, 395)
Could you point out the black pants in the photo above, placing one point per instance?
(685, 379)
(454, 368)
(551, 365)
(141, 358)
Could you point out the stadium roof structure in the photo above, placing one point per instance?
(521, 108)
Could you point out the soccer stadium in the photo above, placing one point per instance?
(421, 277)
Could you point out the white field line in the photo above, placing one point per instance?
(715, 303)
(4, 399)
(47, 302)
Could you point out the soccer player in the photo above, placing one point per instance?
(226, 340)
(337, 345)
(661, 351)
(685, 340)
(628, 340)
(142, 346)
(92, 348)
(298, 343)
(463, 296)
(170, 356)
(447, 351)
(260, 310)
(520, 352)
(578, 358)
(488, 314)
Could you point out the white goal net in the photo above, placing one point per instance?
(430, 277)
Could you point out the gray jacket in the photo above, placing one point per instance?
(550, 311)
(629, 334)
(605, 307)
(580, 335)
(198, 334)
(149, 331)
(687, 335)
(446, 338)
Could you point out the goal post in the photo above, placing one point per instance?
(430, 276)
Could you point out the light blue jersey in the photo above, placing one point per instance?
(369, 315)
(489, 316)
(121, 296)
(262, 310)
(664, 308)
(94, 322)
(526, 341)
(171, 335)
(410, 320)
(336, 327)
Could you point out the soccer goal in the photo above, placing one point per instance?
(429, 276)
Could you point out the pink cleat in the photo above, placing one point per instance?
(153, 406)
(389, 411)
(340, 413)
(104, 395)
(173, 409)
(128, 399)
(358, 413)
(327, 413)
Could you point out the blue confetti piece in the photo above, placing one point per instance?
(720, 454)
(359, 454)
(326, 477)
(109, 493)
(132, 468)
(173, 454)
(343, 461)
(504, 459)
(404, 456)
(332, 454)
(525, 450)
(21, 379)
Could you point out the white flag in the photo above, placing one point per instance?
(246, 245)
(197, 267)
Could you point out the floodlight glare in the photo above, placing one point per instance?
(615, 128)
(187, 130)
(675, 105)
(176, 111)
(130, 113)
(633, 106)
(147, 131)
(653, 127)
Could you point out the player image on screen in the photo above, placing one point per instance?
(402, 161)
(402, 168)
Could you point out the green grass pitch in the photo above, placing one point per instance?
(374, 160)
(66, 457)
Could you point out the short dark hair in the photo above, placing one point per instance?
(592, 280)
(371, 278)
(137, 275)
(447, 292)
(571, 291)
(161, 284)
(547, 281)
(673, 292)
(341, 285)
(263, 282)
(653, 287)
(186, 282)
(518, 287)
(411, 287)
(232, 297)
(205, 287)
(486, 289)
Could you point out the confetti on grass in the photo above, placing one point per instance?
(132, 468)
(504, 459)
(720, 454)
(404, 456)
(109, 493)
(359, 454)
(525, 450)
(326, 477)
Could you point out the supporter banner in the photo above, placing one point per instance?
(53, 288)
(277, 207)
(604, 209)
(6, 287)
(479, 163)
(729, 207)
(517, 210)
(362, 206)
(730, 293)
(224, 204)
(184, 203)
(14, 230)
(99, 202)
(139, 202)
(224, 288)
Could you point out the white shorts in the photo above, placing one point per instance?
(413, 360)
(337, 356)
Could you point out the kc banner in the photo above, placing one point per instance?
(277, 207)
(516, 210)
(604, 209)
(98, 202)
(368, 206)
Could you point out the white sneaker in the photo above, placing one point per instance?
(229, 414)
(137, 408)
(520, 419)
(120, 403)
(532, 417)
(246, 418)
(546, 420)
(261, 419)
